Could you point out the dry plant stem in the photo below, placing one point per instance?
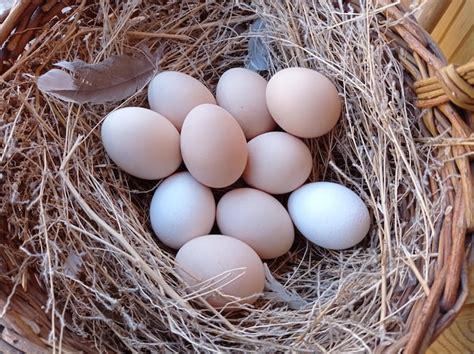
(24, 58)
(39, 18)
(457, 256)
(49, 4)
(144, 35)
(27, 35)
(141, 35)
(463, 208)
(54, 11)
(466, 71)
(7, 26)
(433, 102)
(450, 315)
(25, 18)
(409, 24)
(420, 328)
(27, 21)
(72, 32)
(135, 256)
(459, 91)
(80, 225)
(4, 15)
(3, 57)
(216, 24)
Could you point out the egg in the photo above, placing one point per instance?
(174, 95)
(141, 142)
(213, 146)
(257, 219)
(303, 102)
(181, 209)
(329, 215)
(278, 163)
(223, 267)
(242, 93)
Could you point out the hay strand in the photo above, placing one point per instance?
(70, 219)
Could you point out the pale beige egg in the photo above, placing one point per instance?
(303, 102)
(278, 163)
(174, 95)
(141, 142)
(258, 219)
(223, 268)
(213, 146)
(242, 93)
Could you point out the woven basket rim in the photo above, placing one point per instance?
(448, 291)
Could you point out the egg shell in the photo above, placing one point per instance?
(242, 93)
(303, 102)
(258, 219)
(278, 163)
(181, 209)
(141, 142)
(329, 215)
(213, 146)
(174, 95)
(223, 263)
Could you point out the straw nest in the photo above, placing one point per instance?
(80, 266)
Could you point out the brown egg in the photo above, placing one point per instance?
(213, 146)
(303, 102)
(278, 163)
(242, 93)
(224, 268)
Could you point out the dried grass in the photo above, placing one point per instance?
(81, 226)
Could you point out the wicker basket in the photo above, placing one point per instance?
(444, 92)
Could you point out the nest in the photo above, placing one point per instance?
(80, 267)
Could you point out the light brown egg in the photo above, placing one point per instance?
(213, 146)
(278, 163)
(303, 102)
(242, 93)
(174, 95)
(141, 142)
(222, 266)
(257, 219)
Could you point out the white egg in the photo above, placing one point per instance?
(141, 142)
(181, 209)
(329, 215)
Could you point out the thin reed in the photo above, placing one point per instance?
(79, 265)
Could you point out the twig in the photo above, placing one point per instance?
(7, 26)
(27, 35)
(24, 20)
(49, 4)
(55, 10)
(4, 15)
(140, 35)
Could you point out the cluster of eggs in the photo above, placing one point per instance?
(221, 140)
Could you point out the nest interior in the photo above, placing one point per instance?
(80, 268)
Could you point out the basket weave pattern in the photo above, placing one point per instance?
(445, 93)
